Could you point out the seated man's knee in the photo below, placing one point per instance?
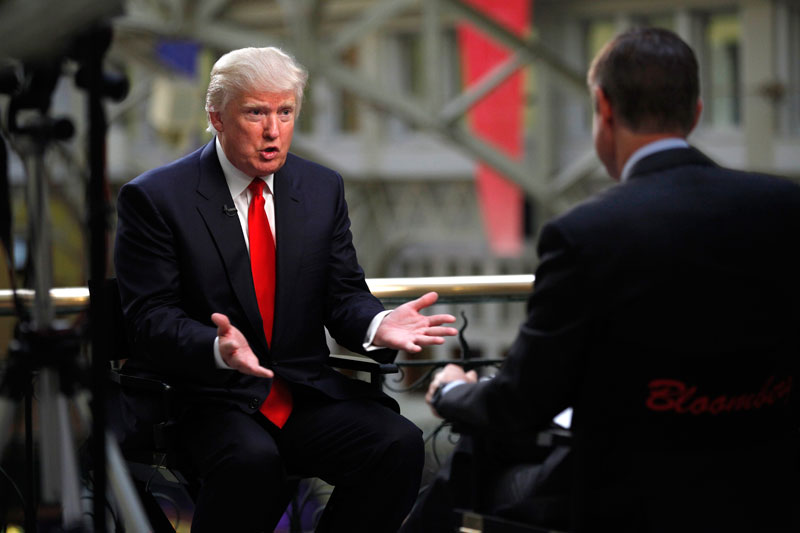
(255, 460)
(250, 466)
(406, 444)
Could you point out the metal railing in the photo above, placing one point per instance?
(389, 290)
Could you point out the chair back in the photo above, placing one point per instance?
(110, 306)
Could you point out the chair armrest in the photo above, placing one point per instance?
(362, 364)
(554, 436)
(139, 383)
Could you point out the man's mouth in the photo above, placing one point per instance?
(270, 152)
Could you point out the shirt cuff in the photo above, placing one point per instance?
(564, 418)
(372, 330)
(218, 356)
(444, 389)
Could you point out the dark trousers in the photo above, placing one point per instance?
(372, 455)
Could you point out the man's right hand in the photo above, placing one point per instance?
(447, 375)
(235, 350)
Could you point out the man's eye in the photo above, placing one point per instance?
(255, 111)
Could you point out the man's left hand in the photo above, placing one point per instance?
(235, 350)
(447, 375)
(407, 329)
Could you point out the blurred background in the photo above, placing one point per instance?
(459, 126)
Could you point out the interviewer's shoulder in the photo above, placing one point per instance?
(765, 188)
(598, 210)
(772, 181)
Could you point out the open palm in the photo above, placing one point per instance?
(407, 329)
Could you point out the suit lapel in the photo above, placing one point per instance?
(290, 225)
(227, 234)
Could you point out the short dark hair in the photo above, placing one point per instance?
(650, 78)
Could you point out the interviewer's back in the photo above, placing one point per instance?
(665, 312)
(683, 420)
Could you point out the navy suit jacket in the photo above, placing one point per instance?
(180, 256)
(665, 312)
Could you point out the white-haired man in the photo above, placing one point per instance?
(231, 263)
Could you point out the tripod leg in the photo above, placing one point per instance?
(122, 487)
(30, 470)
(60, 480)
(7, 412)
(7, 409)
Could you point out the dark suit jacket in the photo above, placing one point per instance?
(666, 312)
(179, 258)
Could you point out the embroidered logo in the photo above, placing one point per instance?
(679, 397)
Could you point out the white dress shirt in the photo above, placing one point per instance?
(238, 183)
(650, 149)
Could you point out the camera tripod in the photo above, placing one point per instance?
(44, 347)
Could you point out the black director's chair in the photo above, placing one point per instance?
(152, 460)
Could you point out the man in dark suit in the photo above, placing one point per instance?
(231, 263)
(665, 313)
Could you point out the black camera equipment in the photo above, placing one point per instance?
(43, 344)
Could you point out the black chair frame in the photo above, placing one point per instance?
(158, 459)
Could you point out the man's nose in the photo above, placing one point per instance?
(271, 127)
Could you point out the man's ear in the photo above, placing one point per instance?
(602, 106)
(216, 120)
(698, 110)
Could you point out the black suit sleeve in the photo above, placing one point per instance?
(350, 305)
(538, 378)
(147, 269)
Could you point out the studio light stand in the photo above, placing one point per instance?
(40, 342)
(45, 347)
(108, 464)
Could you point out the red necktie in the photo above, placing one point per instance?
(278, 404)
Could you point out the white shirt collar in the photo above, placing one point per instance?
(650, 149)
(237, 180)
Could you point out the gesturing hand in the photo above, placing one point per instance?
(406, 329)
(235, 350)
(448, 374)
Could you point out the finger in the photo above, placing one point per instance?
(429, 393)
(437, 320)
(249, 367)
(410, 347)
(453, 372)
(429, 398)
(427, 340)
(436, 381)
(441, 332)
(434, 385)
(228, 346)
(425, 300)
(222, 323)
(260, 371)
(472, 376)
